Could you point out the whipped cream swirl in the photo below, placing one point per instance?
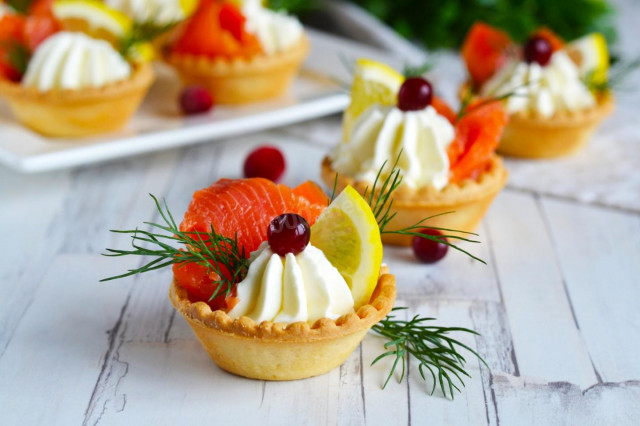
(276, 31)
(381, 133)
(157, 11)
(542, 90)
(73, 61)
(292, 288)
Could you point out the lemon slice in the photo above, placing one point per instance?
(348, 235)
(93, 18)
(373, 83)
(591, 55)
(188, 6)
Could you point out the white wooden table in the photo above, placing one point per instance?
(557, 307)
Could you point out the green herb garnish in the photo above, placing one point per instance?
(219, 254)
(417, 70)
(618, 75)
(435, 351)
(444, 24)
(142, 32)
(381, 203)
(17, 55)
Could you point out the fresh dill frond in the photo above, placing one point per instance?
(143, 32)
(17, 54)
(436, 352)
(19, 6)
(417, 70)
(380, 199)
(618, 75)
(222, 256)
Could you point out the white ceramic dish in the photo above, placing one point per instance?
(159, 125)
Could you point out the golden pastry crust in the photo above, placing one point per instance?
(564, 133)
(279, 351)
(77, 113)
(531, 136)
(469, 200)
(241, 80)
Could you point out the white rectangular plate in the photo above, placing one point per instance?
(159, 125)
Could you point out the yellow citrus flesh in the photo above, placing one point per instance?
(347, 233)
(188, 6)
(93, 18)
(591, 55)
(373, 83)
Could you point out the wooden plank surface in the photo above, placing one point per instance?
(557, 294)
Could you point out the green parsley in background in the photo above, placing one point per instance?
(444, 23)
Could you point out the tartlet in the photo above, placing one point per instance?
(269, 351)
(450, 172)
(461, 205)
(563, 134)
(530, 133)
(241, 53)
(241, 80)
(75, 113)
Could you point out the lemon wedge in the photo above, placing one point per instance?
(591, 55)
(347, 233)
(93, 18)
(188, 6)
(373, 83)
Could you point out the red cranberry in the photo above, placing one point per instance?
(265, 162)
(415, 94)
(288, 233)
(427, 250)
(537, 49)
(195, 100)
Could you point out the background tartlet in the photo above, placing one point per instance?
(466, 202)
(75, 113)
(529, 136)
(241, 80)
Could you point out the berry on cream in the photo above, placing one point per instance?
(292, 288)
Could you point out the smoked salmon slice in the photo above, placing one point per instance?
(242, 208)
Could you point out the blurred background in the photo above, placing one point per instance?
(435, 24)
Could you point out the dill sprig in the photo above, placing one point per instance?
(417, 70)
(19, 6)
(469, 96)
(221, 255)
(143, 32)
(435, 351)
(618, 75)
(17, 55)
(381, 203)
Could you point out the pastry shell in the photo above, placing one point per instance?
(269, 351)
(241, 80)
(77, 113)
(468, 200)
(563, 134)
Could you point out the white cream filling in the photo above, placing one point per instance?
(304, 287)
(73, 61)
(544, 90)
(276, 31)
(381, 133)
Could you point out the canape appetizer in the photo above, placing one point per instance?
(447, 160)
(72, 84)
(239, 53)
(555, 93)
(282, 284)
